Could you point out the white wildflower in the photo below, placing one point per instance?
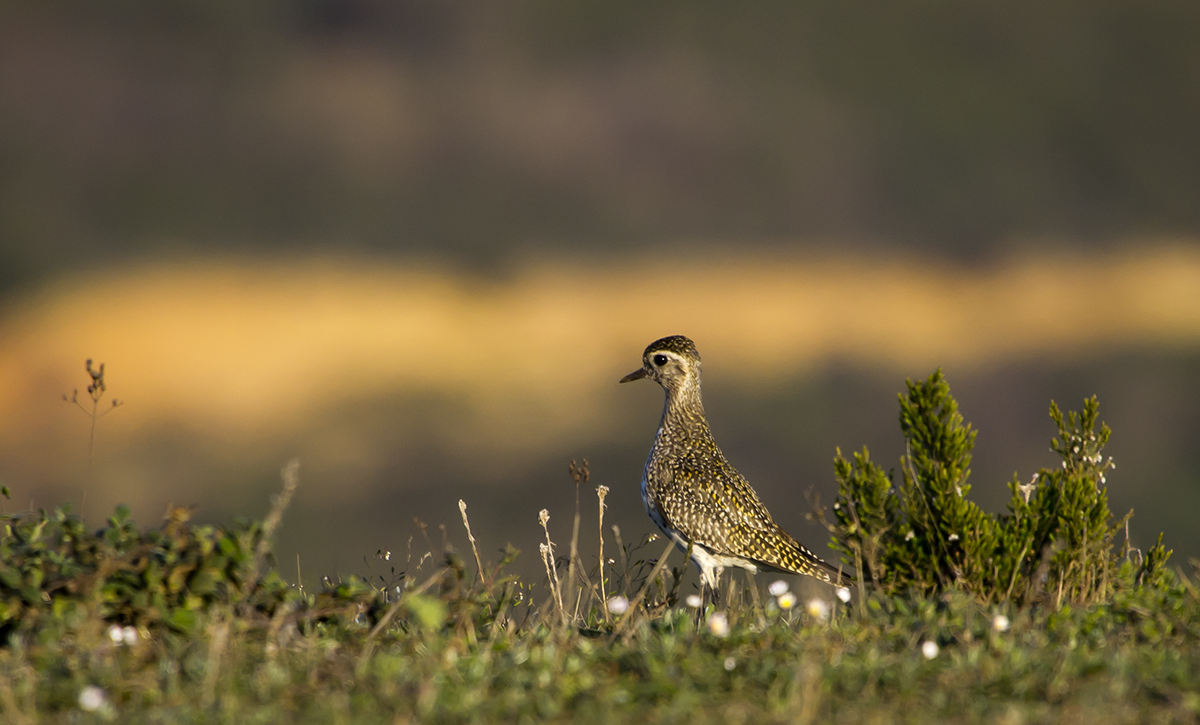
(787, 600)
(115, 634)
(693, 601)
(1000, 623)
(618, 604)
(129, 635)
(730, 663)
(718, 624)
(543, 517)
(818, 609)
(91, 698)
(844, 594)
(952, 537)
(777, 587)
(929, 649)
(909, 536)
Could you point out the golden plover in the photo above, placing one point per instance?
(693, 493)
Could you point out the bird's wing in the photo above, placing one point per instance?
(719, 509)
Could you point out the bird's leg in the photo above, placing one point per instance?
(709, 594)
(710, 586)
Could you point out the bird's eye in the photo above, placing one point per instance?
(660, 360)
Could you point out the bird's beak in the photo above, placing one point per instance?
(635, 375)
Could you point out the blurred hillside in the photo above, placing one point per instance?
(404, 389)
(475, 133)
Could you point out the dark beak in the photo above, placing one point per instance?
(635, 375)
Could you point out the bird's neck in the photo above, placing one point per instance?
(683, 409)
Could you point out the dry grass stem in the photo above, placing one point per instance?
(579, 474)
(633, 603)
(462, 506)
(551, 569)
(624, 558)
(601, 493)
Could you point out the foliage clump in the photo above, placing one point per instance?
(1056, 542)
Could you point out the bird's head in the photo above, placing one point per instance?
(672, 362)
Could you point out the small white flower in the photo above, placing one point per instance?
(115, 634)
(909, 536)
(129, 635)
(836, 506)
(1000, 623)
(929, 649)
(693, 601)
(91, 698)
(844, 594)
(787, 600)
(618, 605)
(777, 587)
(818, 609)
(952, 537)
(718, 624)
(730, 663)
(543, 517)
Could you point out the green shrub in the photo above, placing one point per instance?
(55, 569)
(1055, 543)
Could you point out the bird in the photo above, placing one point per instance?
(696, 497)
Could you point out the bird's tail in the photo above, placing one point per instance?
(837, 574)
(803, 561)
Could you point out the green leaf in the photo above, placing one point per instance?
(183, 620)
(430, 613)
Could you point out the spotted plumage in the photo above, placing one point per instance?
(693, 493)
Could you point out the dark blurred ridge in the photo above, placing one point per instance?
(477, 132)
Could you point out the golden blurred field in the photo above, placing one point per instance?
(231, 366)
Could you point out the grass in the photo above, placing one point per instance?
(190, 624)
(447, 643)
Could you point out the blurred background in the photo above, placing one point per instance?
(415, 244)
